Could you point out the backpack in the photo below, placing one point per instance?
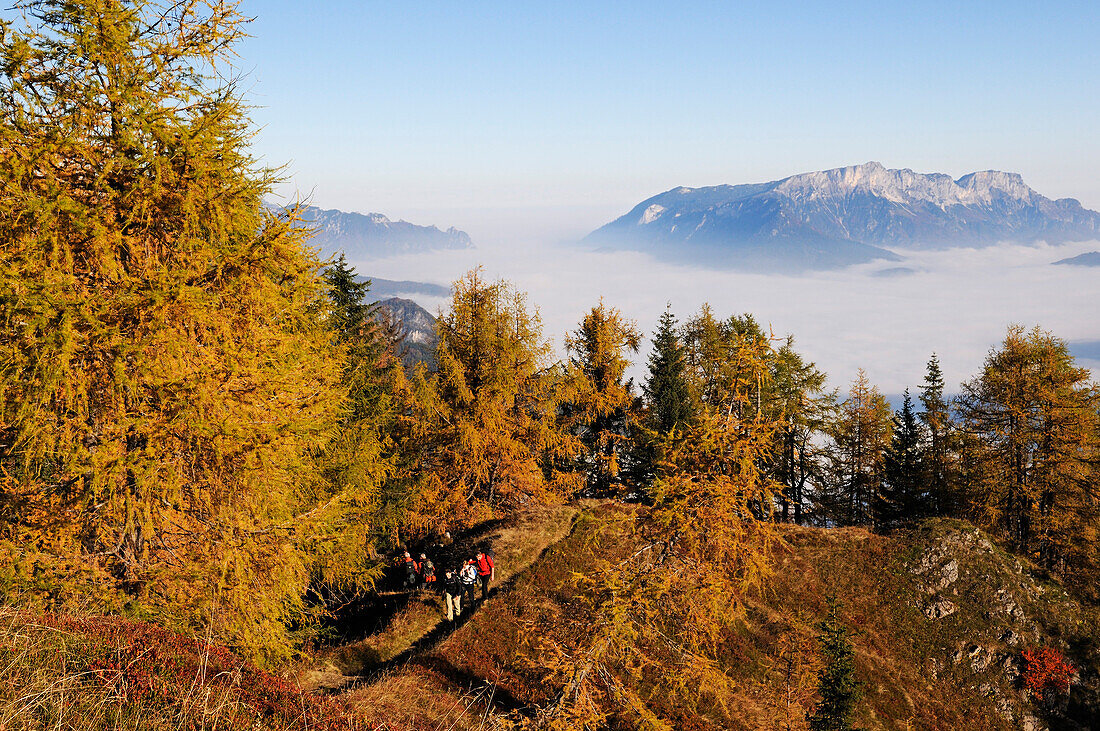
(468, 574)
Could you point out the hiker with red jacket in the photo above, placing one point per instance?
(485, 572)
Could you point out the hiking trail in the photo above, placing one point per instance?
(412, 622)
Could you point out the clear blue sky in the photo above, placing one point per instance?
(446, 112)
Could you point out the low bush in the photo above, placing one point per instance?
(105, 672)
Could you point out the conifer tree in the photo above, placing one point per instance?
(165, 372)
(902, 498)
(1032, 448)
(861, 434)
(364, 464)
(796, 399)
(672, 597)
(936, 418)
(666, 389)
(838, 686)
(488, 427)
(350, 311)
(669, 404)
(725, 361)
(602, 408)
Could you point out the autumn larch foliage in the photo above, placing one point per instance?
(601, 407)
(487, 431)
(655, 614)
(165, 367)
(1030, 436)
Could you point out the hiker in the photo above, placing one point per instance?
(427, 572)
(452, 595)
(412, 572)
(486, 572)
(468, 574)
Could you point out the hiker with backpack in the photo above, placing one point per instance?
(486, 572)
(452, 595)
(468, 575)
(412, 572)
(427, 572)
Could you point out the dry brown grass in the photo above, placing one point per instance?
(770, 656)
(417, 699)
(60, 671)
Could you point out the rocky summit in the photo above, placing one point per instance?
(849, 215)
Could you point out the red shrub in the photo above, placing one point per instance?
(1047, 673)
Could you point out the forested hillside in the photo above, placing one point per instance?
(211, 453)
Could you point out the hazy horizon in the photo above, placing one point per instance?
(957, 303)
(530, 126)
(434, 112)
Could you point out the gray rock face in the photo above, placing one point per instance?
(992, 601)
(833, 218)
(938, 608)
(937, 568)
(413, 326)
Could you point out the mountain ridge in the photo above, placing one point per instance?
(363, 235)
(855, 214)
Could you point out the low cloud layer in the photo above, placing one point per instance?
(885, 318)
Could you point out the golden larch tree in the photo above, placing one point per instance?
(488, 426)
(601, 406)
(1031, 447)
(165, 372)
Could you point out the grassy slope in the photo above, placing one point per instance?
(65, 672)
(919, 673)
(958, 671)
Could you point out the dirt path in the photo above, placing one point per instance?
(420, 626)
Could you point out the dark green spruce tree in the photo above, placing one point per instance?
(796, 394)
(668, 400)
(347, 295)
(362, 462)
(936, 419)
(666, 389)
(902, 497)
(837, 684)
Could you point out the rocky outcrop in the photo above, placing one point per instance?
(983, 606)
(412, 327)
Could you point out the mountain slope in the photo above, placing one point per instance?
(838, 217)
(381, 289)
(940, 618)
(360, 236)
(1088, 259)
(413, 325)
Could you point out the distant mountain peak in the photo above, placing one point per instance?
(371, 235)
(846, 215)
(905, 186)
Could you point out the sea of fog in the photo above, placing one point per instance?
(886, 318)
